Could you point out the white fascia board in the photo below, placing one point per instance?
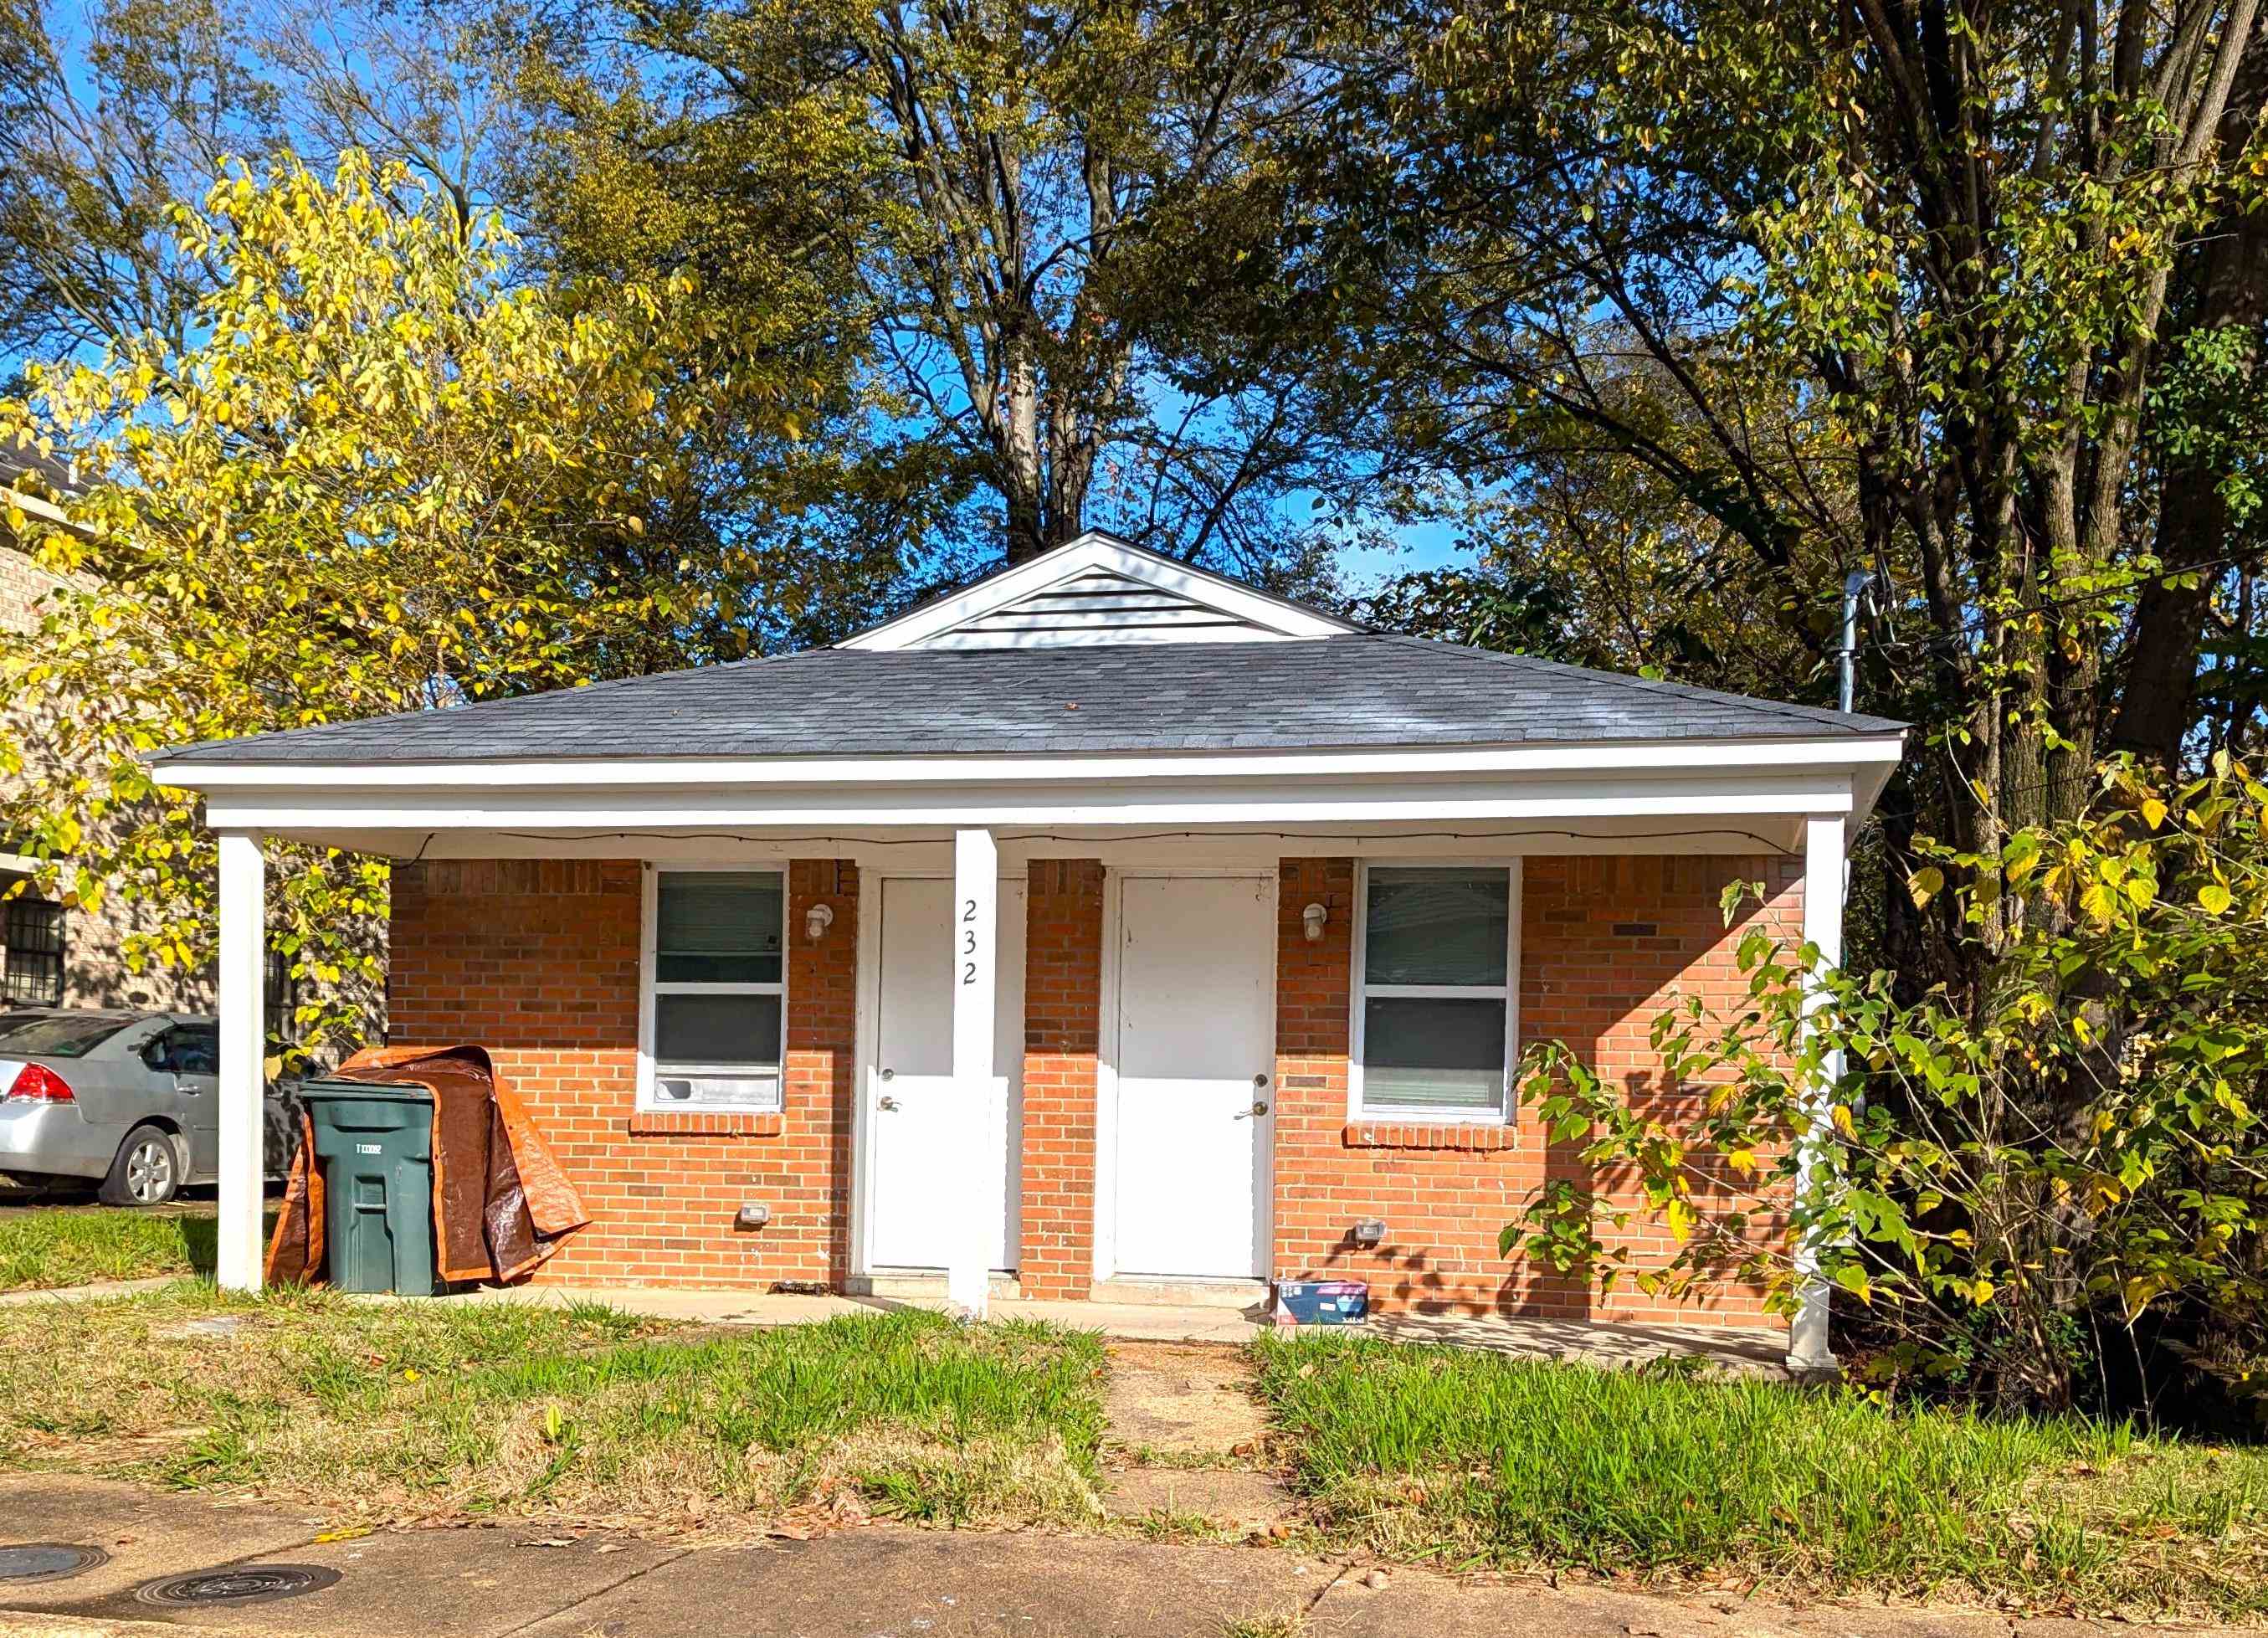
(683, 773)
(1076, 558)
(36, 506)
(918, 850)
(1144, 804)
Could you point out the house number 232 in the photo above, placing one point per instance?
(968, 941)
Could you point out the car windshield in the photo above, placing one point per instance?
(60, 1034)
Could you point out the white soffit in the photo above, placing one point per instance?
(1097, 591)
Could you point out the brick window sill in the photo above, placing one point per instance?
(1402, 1134)
(656, 1124)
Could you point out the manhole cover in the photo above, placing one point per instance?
(248, 1584)
(48, 1560)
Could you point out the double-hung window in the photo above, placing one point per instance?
(1436, 1011)
(717, 990)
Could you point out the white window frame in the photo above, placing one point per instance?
(1361, 992)
(768, 1092)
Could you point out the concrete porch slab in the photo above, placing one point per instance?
(1742, 1348)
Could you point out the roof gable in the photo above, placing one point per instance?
(1100, 591)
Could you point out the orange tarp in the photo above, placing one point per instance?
(501, 1203)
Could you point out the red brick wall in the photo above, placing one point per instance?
(538, 960)
(1603, 941)
(1063, 1023)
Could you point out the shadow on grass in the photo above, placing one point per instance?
(201, 1240)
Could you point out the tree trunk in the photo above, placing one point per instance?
(1023, 476)
(2231, 271)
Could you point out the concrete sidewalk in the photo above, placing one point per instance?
(532, 1580)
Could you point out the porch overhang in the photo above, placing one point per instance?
(1718, 795)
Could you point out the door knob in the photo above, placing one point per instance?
(1257, 1110)
(887, 1102)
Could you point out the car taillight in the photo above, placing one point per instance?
(38, 1083)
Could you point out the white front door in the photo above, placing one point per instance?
(1194, 1059)
(915, 1123)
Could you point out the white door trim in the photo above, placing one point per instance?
(1105, 1066)
(866, 1042)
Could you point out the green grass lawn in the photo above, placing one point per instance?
(437, 1408)
(44, 1247)
(1464, 1459)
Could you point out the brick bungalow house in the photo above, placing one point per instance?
(1111, 926)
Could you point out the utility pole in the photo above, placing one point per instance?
(1854, 588)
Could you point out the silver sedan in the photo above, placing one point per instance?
(130, 1099)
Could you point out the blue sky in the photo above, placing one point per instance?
(1418, 546)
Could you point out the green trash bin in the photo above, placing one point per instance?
(375, 1145)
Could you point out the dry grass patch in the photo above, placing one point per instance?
(427, 1409)
(1271, 1624)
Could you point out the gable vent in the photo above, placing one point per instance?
(1097, 607)
(1095, 591)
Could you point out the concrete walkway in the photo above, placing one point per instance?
(1733, 1347)
(534, 1581)
(84, 1294)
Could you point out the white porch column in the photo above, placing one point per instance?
(975, 1163)
(1824, 872)
(243, 1052)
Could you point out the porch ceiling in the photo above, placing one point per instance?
(923, 847)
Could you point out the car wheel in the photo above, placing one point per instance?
(147, 1171)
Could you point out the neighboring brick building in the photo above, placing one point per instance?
(1110, 923)
(52, 953)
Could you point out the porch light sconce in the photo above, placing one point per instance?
(1311, 922)
(1369, 1231)
(816, 920)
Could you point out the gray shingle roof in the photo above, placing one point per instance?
(1361, 689)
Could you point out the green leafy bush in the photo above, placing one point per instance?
(2014, 1186)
